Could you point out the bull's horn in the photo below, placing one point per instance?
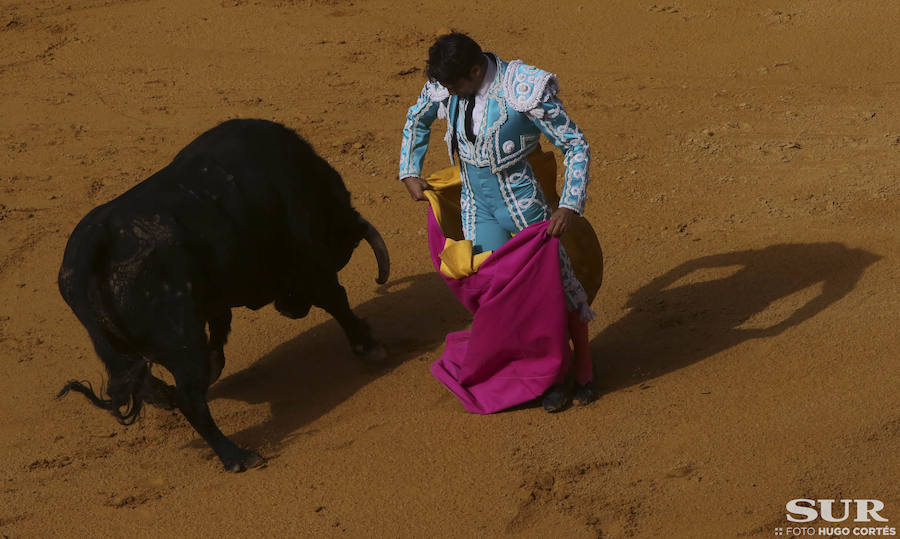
(381, 253)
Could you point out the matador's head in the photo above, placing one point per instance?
(457, 63)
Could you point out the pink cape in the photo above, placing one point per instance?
(518, 345)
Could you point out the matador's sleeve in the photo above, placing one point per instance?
(566, 136)
(432, 103)
(533, 91)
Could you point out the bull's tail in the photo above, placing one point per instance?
(80, 285)
(127, 391)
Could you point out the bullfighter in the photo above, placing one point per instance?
(496, 112)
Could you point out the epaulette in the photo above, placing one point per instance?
(526, 86)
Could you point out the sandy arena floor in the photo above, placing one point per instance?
(745, 189)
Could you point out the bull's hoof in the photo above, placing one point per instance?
(372, 356)
(243, 461)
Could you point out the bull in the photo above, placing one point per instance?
(245, 215)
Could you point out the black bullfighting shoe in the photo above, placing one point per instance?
(556, 398)
(585, 394)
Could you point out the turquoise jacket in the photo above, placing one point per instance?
(521, 104)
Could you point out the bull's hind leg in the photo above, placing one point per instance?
(331, 296)
(161, 394)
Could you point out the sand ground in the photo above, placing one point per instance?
(745, 189)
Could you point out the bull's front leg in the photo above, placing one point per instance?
(219, 327)
(332, 297)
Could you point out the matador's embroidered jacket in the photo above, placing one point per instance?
(521, 104)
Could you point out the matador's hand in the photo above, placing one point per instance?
(417, 187)
(560, 221)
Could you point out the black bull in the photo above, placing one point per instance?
(245, 215)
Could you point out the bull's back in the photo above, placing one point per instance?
(233, 210)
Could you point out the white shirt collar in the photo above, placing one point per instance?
(489, 74)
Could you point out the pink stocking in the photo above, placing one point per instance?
(578, 332)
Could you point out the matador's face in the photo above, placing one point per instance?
(466, 86)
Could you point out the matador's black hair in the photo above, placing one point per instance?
(452, 57)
